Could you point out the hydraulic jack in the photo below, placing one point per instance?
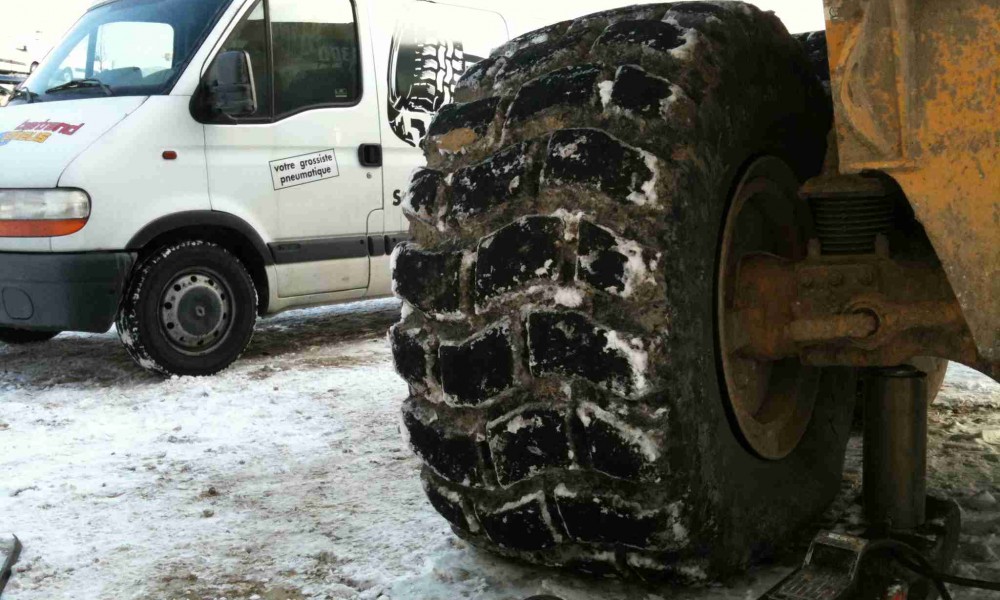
(904, 535)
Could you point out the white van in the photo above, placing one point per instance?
(184, 166)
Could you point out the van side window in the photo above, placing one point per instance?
(316, 57)
(251, 35)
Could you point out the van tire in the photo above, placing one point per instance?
(17, 337)
(559, 331)
(189, 309)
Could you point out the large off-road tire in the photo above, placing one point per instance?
(560, 334)
(190, 309)
(22, 336)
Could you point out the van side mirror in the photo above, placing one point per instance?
(230, 86)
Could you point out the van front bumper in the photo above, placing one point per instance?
(62, 292)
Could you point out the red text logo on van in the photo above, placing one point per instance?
(46, 125)
(37, 131)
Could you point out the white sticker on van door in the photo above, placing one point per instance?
(303, 169)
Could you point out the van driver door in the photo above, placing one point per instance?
(298, 167)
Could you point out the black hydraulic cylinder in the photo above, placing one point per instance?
(895, 448)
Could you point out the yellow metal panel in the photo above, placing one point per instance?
(916, 86)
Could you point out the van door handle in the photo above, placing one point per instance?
(370, 155)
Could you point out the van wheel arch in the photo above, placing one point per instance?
(228, 231)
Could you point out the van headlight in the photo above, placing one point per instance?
(42, 213)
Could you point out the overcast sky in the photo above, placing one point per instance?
(19, 19)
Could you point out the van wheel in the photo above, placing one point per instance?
(17, 337)
(190, 309)
(567, 350)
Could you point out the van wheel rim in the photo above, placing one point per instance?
(196, 312)
(770, 401)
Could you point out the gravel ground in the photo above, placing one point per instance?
(285, 477)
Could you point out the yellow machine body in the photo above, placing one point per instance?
(915, 86)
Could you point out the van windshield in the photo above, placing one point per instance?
(123, 48)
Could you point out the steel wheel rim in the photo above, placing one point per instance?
(770, 402)
(196, 311)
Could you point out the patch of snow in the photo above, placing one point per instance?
(126, 338)
(670, 19)
(393, 259)
(503, 326)
(648, 195)
(407, 204)
(568, 297)
(678, 529)
(676, 95)
(518, 423)
(644, 562)
(637, 271)
(522, 501)
(561, 491)
(635, 353)
(637, 438)
(569, 150)
(586, 261)
(544, 269)
(468, 259)
(448, 317)
(405, 311)
(693, 571)
(606, 88)
(571, 223)
(686, 50)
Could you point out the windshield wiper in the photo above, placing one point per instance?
(77, 84)
(24, 91)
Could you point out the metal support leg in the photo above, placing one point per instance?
(895, 449)
(846, 563)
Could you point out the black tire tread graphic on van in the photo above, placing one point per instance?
(559, 339)
(223, 296)
(434, 65)
(23, 336)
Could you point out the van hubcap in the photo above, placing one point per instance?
(196, 312)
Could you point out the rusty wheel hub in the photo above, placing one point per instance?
(770, 401)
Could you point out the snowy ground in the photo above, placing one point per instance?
(285, 477)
